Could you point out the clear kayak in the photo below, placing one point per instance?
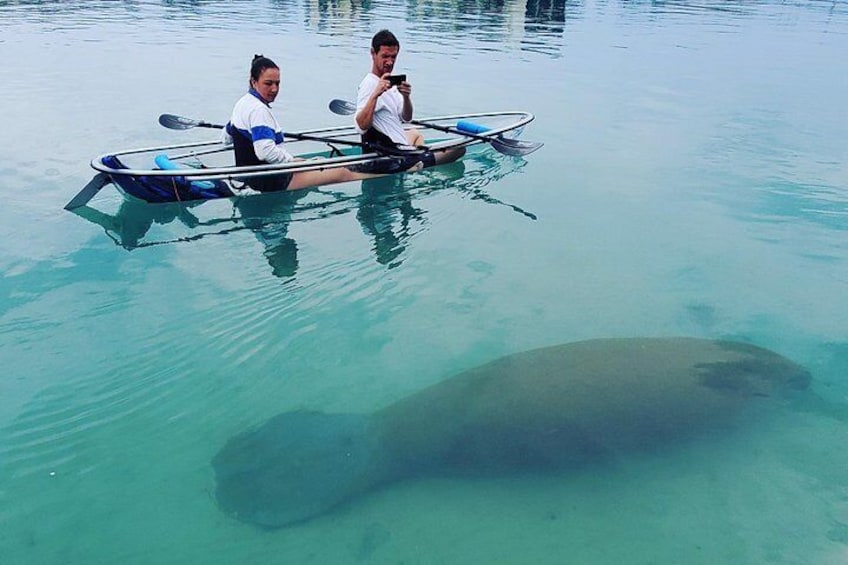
(203, 170)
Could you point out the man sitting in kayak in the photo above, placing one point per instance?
(382, 108)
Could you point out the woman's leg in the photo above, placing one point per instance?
(308, 179)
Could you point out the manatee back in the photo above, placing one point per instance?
(575, 403)
(295, 466)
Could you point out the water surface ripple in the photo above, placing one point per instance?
(693, 182)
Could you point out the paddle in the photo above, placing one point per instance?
(88, 191)
(513, 147)
(342, 107)
(172, 121)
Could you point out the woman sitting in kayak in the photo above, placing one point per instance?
(257, 138)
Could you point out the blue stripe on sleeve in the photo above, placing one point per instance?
(263, 132)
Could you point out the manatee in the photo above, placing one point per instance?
(544, 410)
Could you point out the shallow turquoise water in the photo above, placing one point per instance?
(693, 182)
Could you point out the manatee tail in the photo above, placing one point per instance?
(296, 466)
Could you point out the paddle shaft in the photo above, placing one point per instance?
(447, 129)
(177, 122)
(499, 143)
(343, 107)
(304, 137)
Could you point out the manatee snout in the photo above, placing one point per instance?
(749, 370)
(796, 378)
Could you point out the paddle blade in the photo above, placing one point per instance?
(171, 121)
(515, 147)
(88, 191)
(342, 107)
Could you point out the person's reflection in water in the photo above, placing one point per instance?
(386, 212)
(385, 201)
(268, 217)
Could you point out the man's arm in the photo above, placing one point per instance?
(365, 114)
(405, 90)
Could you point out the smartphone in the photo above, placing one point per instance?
(395, 80)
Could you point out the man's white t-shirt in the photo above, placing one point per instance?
(387, 111)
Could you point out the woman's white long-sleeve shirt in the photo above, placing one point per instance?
(253, 120)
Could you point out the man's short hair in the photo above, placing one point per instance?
(383, 38)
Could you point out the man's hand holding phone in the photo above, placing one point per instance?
(396, 80)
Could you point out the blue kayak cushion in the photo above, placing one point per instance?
(467, 126)
(164, 162)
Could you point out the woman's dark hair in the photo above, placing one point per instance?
(383, 38)
(259, 64)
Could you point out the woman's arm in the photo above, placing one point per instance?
(267, 137)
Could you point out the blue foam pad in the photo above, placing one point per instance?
(470, 127)
(164, 162)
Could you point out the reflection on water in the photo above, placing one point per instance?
(134, 219)
(268, 217)
(537, 26)
(500, 17)
(532, 25)
(687, 185)
(386, 210)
